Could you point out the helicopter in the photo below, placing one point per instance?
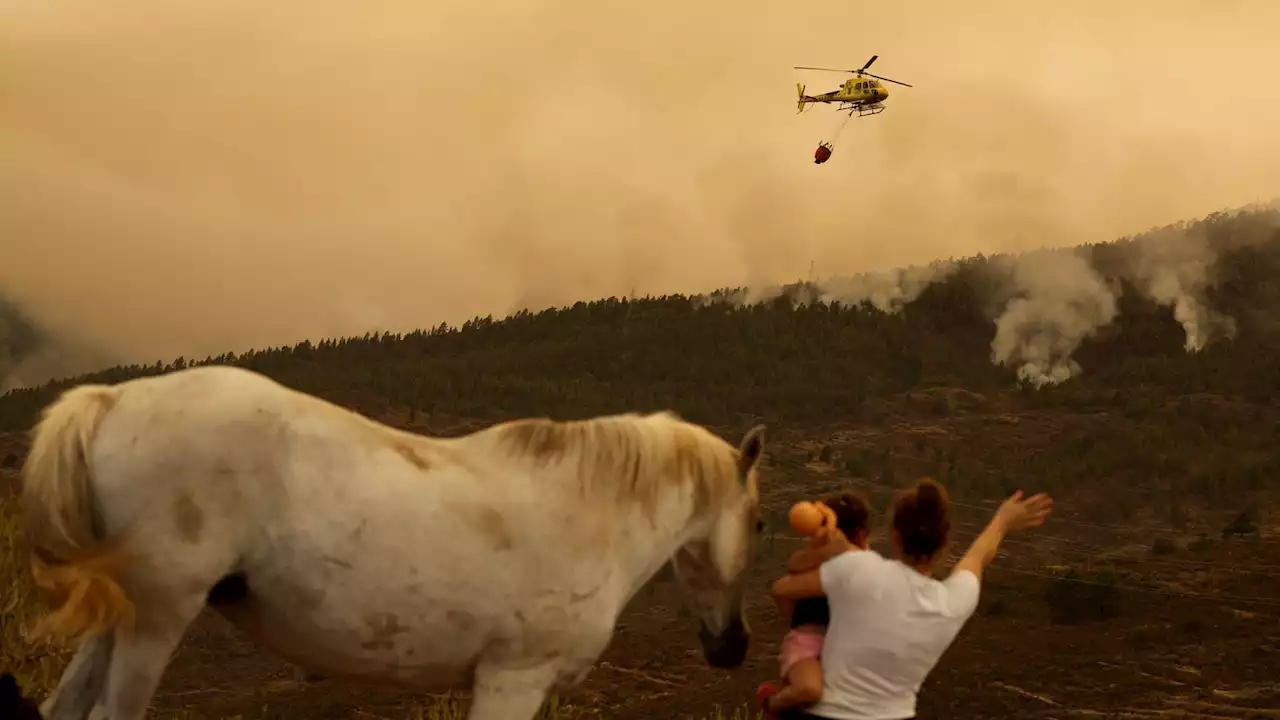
(857, 94)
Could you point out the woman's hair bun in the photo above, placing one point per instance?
(922, 520)
(931, 499)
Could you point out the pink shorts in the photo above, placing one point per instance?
(799, 645)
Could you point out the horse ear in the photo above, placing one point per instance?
(751, 450)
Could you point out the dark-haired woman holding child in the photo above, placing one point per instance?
(891, 621)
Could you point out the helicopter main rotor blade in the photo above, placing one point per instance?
(802, 67)
(873, 59)
(887, 79)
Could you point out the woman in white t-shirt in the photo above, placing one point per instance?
(891, 621)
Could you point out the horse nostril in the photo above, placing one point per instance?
(725, 651)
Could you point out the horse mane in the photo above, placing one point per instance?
(635, 457)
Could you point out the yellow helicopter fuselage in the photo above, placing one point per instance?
(856, 91)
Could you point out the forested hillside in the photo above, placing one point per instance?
(783, 360)
(1138, 405)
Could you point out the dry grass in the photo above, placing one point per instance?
(38, 666)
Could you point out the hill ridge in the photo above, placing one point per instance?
(1105, 314)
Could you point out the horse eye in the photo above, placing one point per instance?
(759, 526)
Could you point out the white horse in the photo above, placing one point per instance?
(501, 559)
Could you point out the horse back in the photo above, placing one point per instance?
(222, 441)
(260, 460)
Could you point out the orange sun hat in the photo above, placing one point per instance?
(808, 517)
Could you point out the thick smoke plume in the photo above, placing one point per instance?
(29, 354)
(1173, 267)
(1061, 301)
(1050, 300)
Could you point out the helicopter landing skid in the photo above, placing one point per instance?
(864, 110)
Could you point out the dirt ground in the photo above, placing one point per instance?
(1163, 656)
(1176, 648)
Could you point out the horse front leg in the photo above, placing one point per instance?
(511, 692)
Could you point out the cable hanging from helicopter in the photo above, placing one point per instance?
(825, 148)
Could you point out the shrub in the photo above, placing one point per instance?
(855, 465)
(1072, 599)
(1244, 524)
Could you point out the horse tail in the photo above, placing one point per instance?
(70, 558)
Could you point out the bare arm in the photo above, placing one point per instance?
(806, 559)
(1014, 514)
(797, 586)
(804, 577)
(825, 544)
(984, 547)
(788, 589)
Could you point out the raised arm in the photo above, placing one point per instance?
(1014, 515)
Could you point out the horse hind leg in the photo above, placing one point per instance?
(81, 685)
(139, 658)
(114, 675)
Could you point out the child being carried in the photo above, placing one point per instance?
(800, 655)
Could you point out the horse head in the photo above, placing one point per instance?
(712, 567)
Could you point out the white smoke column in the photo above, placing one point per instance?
(1172, 268)
(756, 294)
(1063, 301)
(889, 291)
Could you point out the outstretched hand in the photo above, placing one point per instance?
(1017, 514)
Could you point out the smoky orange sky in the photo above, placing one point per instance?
(187, 177)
